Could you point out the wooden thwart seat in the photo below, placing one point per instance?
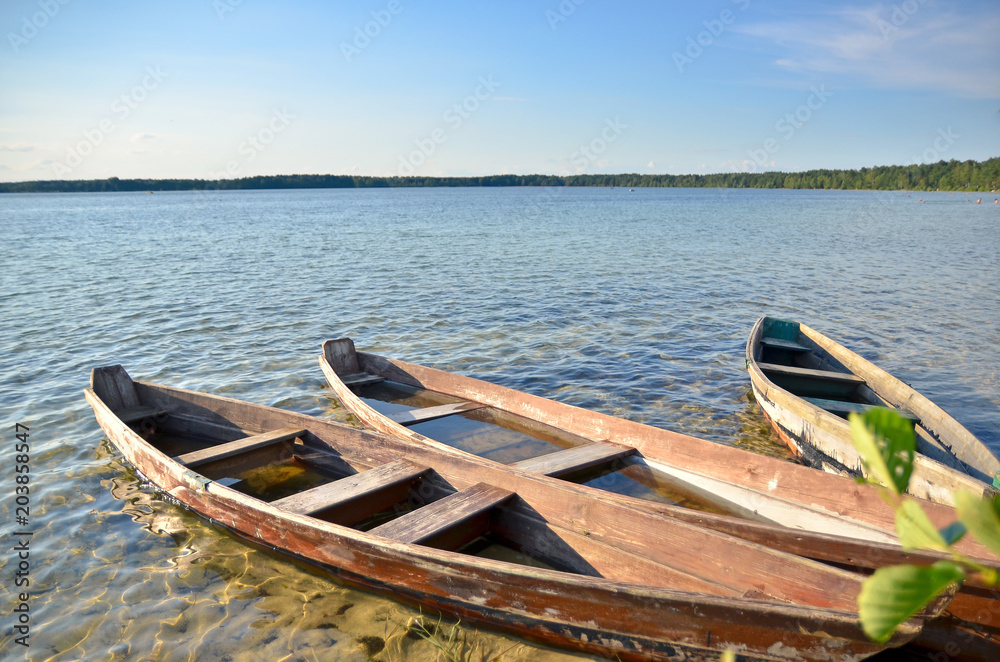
(360, 379)
(843, 408)
(354, 498)
(788, 345)
(135, 414)
(825, 375)
(449, 522)
(414, 416)
(232, 448)
(573, 460)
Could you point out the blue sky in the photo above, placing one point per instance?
(230, 88)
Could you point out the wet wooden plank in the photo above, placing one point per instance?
(360, 379)
(572, 460)
(778, 328)
(451, 521)
(576, 551)
(826, 375)
(414, 416)
(357, 496)
(247, 444)
(133, 414)
(789, 345)
(841, 407)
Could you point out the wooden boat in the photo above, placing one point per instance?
(807, 384)
(426, 526)
(783, 505)
(575, 441)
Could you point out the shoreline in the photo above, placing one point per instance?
(975, 176)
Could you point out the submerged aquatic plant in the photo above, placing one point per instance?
(451, 642)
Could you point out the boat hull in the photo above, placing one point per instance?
(590, 614)
(822, 439)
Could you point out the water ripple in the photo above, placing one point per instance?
(636, 304)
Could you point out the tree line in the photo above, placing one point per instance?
(941, 176)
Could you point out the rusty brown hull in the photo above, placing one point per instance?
(632, 583)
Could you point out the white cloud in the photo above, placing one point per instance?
(139, 137)
(925, 49)
(19, 147)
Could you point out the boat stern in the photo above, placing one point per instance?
(341, 356)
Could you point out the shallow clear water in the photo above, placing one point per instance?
(633, 303)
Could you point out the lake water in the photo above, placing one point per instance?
(636, 303)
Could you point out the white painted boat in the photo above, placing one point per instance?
(806, 385)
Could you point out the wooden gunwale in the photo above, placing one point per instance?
(621, 617)
(962, 443)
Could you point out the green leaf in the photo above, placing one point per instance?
(915, 529)
(886, 443)
(953, 532)
(981, 516)
(896, 593)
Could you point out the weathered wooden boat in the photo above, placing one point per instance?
(563, 441)
(783, 505)
(806, 385)
(430, 527)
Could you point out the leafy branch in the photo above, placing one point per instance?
(893, 594)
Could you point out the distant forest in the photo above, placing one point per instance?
(940, 176)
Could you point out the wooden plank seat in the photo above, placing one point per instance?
(824, 375)
(414, 416)
(233, 448)
(355, 498)
(788, 345)
(360, 379)
(136, 414)
(842, 408)
(574, 460)
(450, 522)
